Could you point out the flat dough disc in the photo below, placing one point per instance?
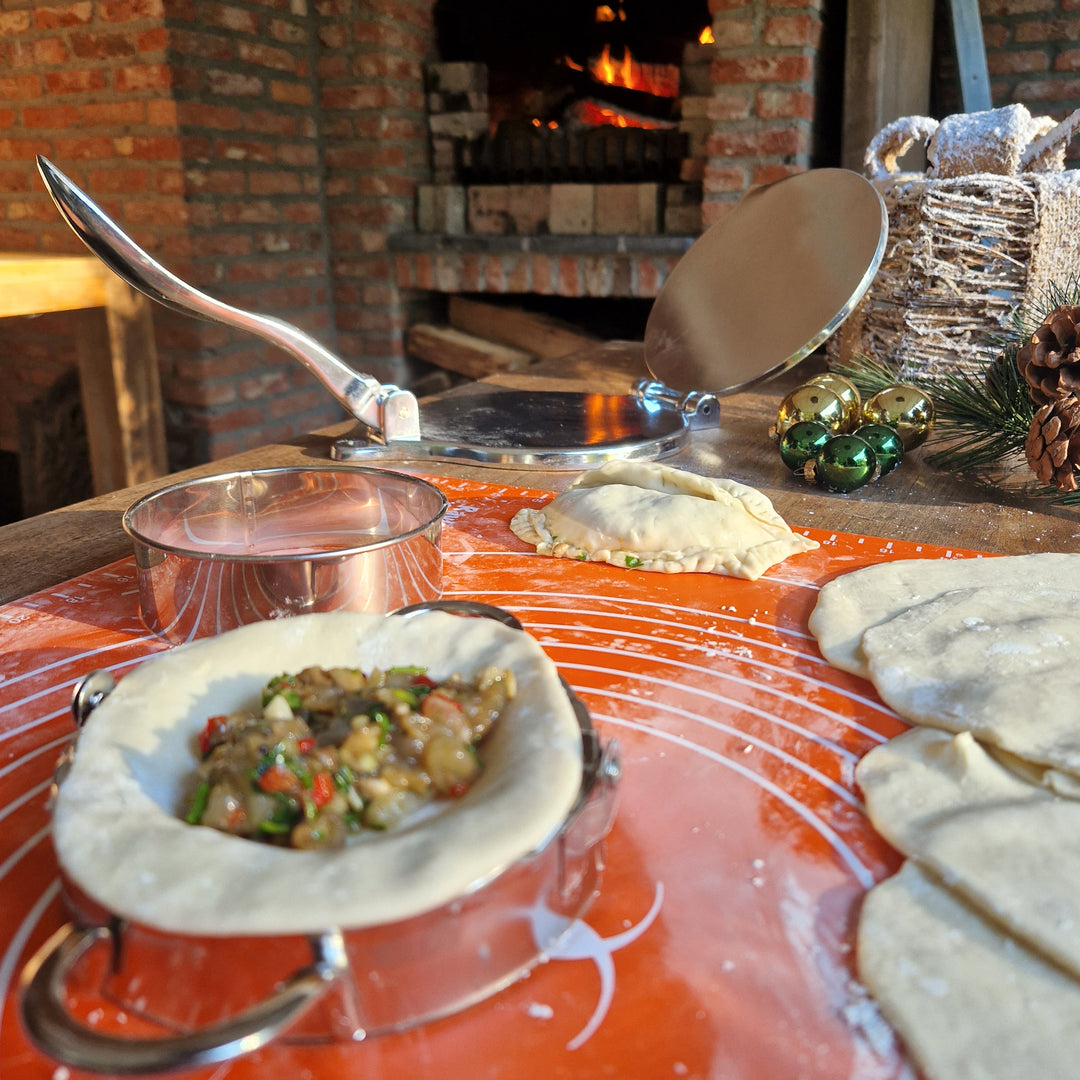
(646, 516)
(118, 835)
(968, 1001)
(996, 660)
(1008, 848)
(850, 604)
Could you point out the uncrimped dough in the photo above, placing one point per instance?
(850, 604)
(118, 835)
(1008, 848)
(969, 1002)
(997, 661)
(647, 516)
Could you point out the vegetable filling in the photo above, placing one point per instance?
(334, 752)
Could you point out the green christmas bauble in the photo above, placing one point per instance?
(905, 408)
(847, 392)
(810, 402)
(801, 442)
(845, 463)
(887, 445)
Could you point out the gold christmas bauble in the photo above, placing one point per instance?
(847, 392)
(810, 402)
(905, 408)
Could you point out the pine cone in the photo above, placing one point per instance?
(1050, 362)
(1053, 443)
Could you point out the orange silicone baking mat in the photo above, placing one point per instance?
(720, 944)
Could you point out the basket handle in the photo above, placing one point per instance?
(893, 141)
(58, 1034)
(1044, 144)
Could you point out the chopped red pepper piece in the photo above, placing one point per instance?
(322, 789)
(423, 680)
(211, 729)
(278, 778)
(441, 708)
(305, 744)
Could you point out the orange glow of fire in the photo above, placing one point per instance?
(659, 79)
(591, 113)
(706, 37)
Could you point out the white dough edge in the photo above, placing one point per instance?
(119, 837)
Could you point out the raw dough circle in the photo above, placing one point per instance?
(118, 836)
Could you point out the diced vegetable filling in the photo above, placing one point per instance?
(336, 751)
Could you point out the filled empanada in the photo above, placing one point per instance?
(646, 516)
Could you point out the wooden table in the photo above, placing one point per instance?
(118, 370)
(915, 502)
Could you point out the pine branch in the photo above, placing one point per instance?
(868, 375)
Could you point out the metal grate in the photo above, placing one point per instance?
(605, 154)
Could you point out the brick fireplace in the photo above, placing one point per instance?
(279, 154)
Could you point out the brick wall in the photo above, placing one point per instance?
(255, 148)
(1033, 56)
(767, 77)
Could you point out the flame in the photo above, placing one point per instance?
(659, 79)
(706, 37)
(604, 13)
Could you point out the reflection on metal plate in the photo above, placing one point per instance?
(768, 283)
(545, 430)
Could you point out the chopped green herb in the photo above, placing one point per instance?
(632, 562)
(198, 803)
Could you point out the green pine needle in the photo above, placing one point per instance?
(986, 417)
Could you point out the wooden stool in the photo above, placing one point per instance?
(118, 368)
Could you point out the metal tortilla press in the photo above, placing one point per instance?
(753, 295)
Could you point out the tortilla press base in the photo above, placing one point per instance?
(548, 430)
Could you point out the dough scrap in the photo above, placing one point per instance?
(997, 661)
(647, 516)
(1009, 849)
(969, 1002)
(118, 836)
(850, 604)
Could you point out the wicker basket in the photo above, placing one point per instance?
(963, 251)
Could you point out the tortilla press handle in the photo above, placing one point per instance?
(64, 1039)
(386, 409)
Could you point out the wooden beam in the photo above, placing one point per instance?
(466, 354)
(970, 55)
(886, 72)
(535, 333)
(33, 284)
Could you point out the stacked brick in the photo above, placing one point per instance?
(764, 76)
(1033, 57)
(373, 119)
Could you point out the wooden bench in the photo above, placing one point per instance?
(118, 369)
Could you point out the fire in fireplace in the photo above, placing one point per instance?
(577, 91)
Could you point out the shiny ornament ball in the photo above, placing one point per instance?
(801, 442)
(810, 403)
(887, 445)
(905, 408)
(845, 463)
(847, 392)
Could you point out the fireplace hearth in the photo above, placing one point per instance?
(572, 93)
